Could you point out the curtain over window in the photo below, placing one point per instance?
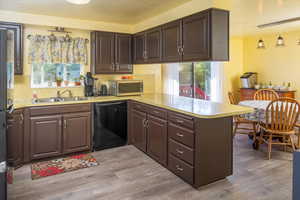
(53, 50)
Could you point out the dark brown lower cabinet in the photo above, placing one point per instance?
(46, 136)
(76, 132)
(138, 129)
(15, 138)
(197, 150)
(157, 139)
(57, 130)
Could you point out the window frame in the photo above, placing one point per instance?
(70, 85)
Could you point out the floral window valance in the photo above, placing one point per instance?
(51, 50)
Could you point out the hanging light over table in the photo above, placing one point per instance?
(260, 44)
(280, 41)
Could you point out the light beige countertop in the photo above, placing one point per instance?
(193, 107)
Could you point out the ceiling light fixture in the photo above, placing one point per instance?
(79, 2)
(260, 44)
(295, 19)
(280, 41)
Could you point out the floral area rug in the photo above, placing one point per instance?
(62, 165)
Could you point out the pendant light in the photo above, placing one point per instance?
(260, 44)
(280, 41)
(79, 2)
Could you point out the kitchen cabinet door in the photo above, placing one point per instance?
(15, 34)
(139, 46)
(103, 53)
(123, 53)
(76, 132)
(46, 136)
(157, 139)
(15, 135)
(196, 37)
(153, 45)
(171, 42)
(138, 130)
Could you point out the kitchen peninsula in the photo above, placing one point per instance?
(190, 137)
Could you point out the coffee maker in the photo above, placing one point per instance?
(89, 83)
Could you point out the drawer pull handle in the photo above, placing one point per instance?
(179, 134)
(179, 168)
(179, 151)
(179, 121)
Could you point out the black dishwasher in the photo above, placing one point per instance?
(110, 125)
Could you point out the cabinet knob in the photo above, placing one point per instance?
(179, 134)
(179, 151)
(22, 119)
(179, 121)
(179, 168)
(65, 123)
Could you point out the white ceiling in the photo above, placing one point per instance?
(245, 14)
(116, 11)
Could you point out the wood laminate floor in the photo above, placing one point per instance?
(126, 173)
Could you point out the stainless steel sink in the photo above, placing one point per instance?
(60, 99)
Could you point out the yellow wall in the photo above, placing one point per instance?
(275, 64)
(151, 74)
(234, 68)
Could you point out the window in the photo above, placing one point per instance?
(201, 80)
(55, 75)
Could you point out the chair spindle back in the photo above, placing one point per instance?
(282, 114)
(266, 94)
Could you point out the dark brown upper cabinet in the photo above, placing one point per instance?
(147, 46)
(111, 53)
(171, 41)
(139, 45)
(123, 55)
(15, 32)
(195, 37)
(153, 45)
(203, 36)
(103, 51)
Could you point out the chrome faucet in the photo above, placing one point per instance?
(59, 93)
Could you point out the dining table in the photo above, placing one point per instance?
(259, 114)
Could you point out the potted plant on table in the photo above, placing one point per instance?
(77, 81)
(58, 81)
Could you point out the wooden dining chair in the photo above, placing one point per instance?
(280, 120)
(266, 94)
(238, 121)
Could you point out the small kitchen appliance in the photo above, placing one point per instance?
(89, 83)
(126, 87)
(249, 80)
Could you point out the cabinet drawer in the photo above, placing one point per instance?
(139, 106)
(182, 169)
(181, 120)
(181, 151)
(158, 112)
(61, 109)
(181, 135)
